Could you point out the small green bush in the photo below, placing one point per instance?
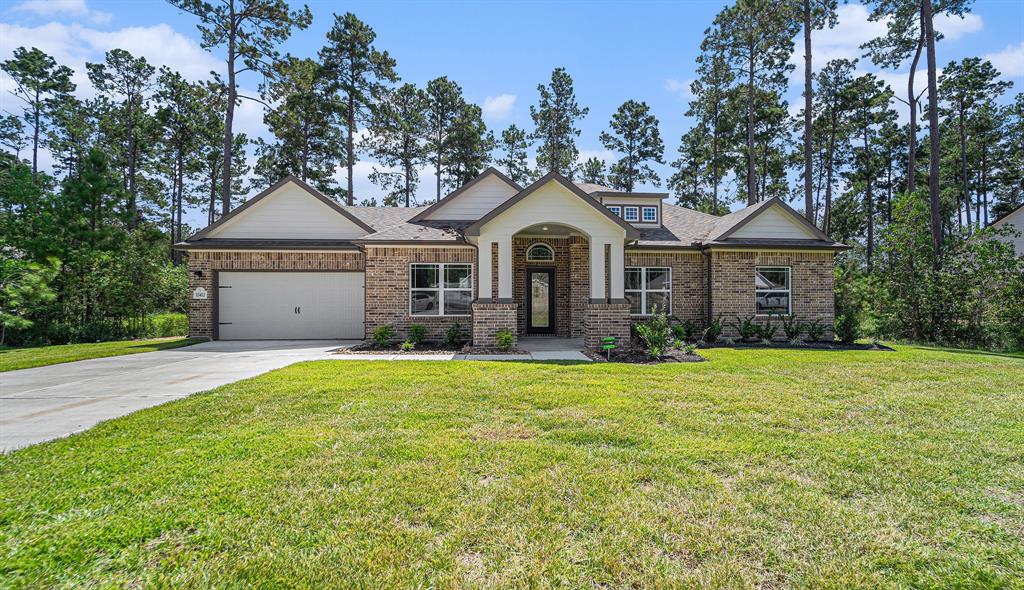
(453, 337)
(815, 331)
(792, 328)
(747, 328)
(713, 331)
(505, 338)
(766, 331)
(685, 330)
(383, 335)
(407, 346)
(417, 332)
(655, 333)
(847, 327)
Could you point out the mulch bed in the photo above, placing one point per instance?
(801, 346)
(423, 348)
(639, 357)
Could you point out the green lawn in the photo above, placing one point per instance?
(767, 469)
(24, 358)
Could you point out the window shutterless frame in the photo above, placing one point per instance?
(650, 214)
(540, 252)
(644, 290)
(441, 289)
(616, 210)
(772, 284)
(632, 213)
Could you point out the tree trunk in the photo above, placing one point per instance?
(133, 203)
(437, 158)
(213, 195)
(751, 181)
(229, 116)
(826, 220)
(912, 127)
(933, 131)
(808, 104)
(350, 146)
(35, 139)
(984, 182)
(714, 163)
(869, 203)
(963, 169)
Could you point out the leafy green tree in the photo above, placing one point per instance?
(710, 107)
(635, 135)
(39, 82)
(359, 73)
(963, 88)
(593, 171)
(180, 103)
(126, 82)
(555, 117)
(470, 147)
(833, 126)
(398, 143)
(307, 142)
(444, 104)
(24, 287)
(513, 146)
(12, 134)
(814, 14)
(1008, 183)
(755, 37)
(73, 132)
(249, 31)
(692, 181)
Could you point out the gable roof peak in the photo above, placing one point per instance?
(489, 171)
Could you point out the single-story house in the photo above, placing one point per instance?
(555, 257)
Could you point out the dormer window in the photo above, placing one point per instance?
(616, 210)
(540, 253)
(632, 214)
(650, 215)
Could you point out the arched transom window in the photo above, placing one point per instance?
(540, 253)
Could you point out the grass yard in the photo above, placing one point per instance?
(767, 469)
(40, 356)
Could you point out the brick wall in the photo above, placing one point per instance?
(602, 320)
(200, 313)
(812, 292)
(489, 318)
(689, 281)
(387, 289)
(579, 281)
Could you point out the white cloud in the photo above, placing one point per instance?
(1009, 61)
(681, 88)
(953, 27)
(606, 156)
(498, 108)
(57, 8)
(844, 40)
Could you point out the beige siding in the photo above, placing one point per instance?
(289, 213)
(774, 222)
(477, 201)
(1014, 221)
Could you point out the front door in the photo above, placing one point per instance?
(540, 300)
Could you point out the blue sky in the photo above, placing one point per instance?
(497, 51)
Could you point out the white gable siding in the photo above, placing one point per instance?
(477, 201)
(1014, 221)
(289, 213)
(774, 222)
(553, 203)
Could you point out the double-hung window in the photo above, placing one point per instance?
(772, 290)
(440, 289)
(650, 214)
(616, 210)
(632, 214)
(648, 288)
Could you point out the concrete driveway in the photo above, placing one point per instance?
(44, 403)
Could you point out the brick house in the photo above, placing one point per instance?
(557, 257)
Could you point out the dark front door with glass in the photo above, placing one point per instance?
(540, 301)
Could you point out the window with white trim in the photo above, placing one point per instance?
(647, 288)
(650, 214)
(540, 253)
(616, 210)
(632, 214)
(772, 290)
(440, 289)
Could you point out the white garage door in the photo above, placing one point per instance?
(290, 305)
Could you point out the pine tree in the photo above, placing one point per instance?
(513, 147)
(444, 104)
(693, 182)
(40, 83)
(307, 142)
(710, 107)
(180, 103)
(832, 120)
(1008, 184)
(555, 117)
(360, 74)
(755, 37)
(470, 148)
(635, 135)
(249, 30)
(398, 142)
(815, 14)
(12, 134)
(593, 171)
(72, 134)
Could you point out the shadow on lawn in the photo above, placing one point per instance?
(974, 352)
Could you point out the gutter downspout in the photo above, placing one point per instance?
(707, 254)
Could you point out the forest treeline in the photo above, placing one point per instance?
(86, 243)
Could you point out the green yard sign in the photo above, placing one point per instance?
(607, 344)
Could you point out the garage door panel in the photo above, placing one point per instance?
(290, 305)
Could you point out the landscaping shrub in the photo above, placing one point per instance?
(655, 334)
(792, 328)
(847, 327)
(417, 332)
(766, 331)
(407, 346)
(383, 335)
(505, 338)
(747, 328)
(713, 331)
(685, 330)
(453, 337)
(815, 331)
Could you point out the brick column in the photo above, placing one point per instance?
(488, 318)
(579, 284)
(200, 311)
(602, 320)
